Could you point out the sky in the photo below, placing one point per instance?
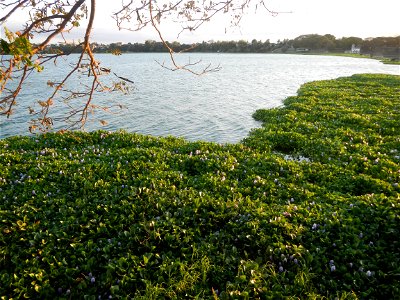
(341, 18)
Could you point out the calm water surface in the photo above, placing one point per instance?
(214, 107)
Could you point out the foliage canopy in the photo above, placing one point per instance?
(307, 207)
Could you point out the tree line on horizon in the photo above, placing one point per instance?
(378, 46)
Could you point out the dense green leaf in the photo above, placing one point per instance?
(305, 207)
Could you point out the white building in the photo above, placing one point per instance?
(355, 49)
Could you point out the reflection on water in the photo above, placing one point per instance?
(213, 107)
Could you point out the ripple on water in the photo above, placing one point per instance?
(216, 107)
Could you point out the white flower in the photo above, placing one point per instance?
(333, 268)
(369, 273)
(281, 269)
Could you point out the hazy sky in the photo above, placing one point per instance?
(342, 18)
(368, 18)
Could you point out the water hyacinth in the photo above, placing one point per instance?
(143, 216)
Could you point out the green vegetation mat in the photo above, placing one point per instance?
(305, 207)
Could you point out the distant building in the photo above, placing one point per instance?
(302, 50)
(355, 49)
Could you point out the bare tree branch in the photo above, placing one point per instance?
(61, 27)
(18, 5)
(53, 18)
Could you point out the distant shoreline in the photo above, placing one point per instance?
(383, 48)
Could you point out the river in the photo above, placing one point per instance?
(213, 107)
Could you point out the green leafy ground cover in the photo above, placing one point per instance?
(306, 207)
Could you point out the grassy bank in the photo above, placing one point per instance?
(386, 61)
(306, 207)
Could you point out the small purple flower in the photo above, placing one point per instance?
(333, 268)
(92, 280)
(280, 269)
(314, 226)
(295, 261)
(369, 273)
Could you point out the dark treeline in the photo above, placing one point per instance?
(380, 46)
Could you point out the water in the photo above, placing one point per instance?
(214, 107)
